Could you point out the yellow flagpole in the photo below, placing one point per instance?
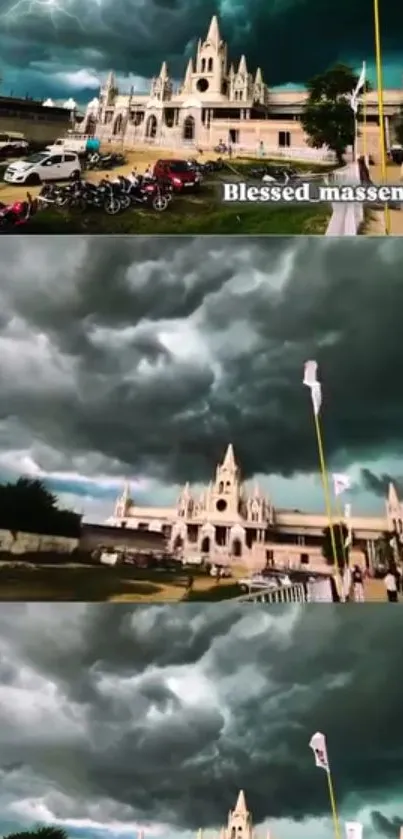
(326, 490)
(364, 116)
(336, 822)
(379, 77)
(340, 516)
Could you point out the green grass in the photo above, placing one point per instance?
(194, 214)
(235, 220)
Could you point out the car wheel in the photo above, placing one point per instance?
(32, 180)
(75, 175)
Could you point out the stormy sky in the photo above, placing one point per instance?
(143, 358)
(115, 718)
(62, 48)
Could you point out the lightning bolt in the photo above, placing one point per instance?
(52, 9)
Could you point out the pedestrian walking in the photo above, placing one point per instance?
(391, 587)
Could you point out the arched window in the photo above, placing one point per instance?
(151, 127)
(189, 129)
(210, 65)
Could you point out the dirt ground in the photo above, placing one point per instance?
(123, 584)
(86, 583)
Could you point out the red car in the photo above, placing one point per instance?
(178, 173)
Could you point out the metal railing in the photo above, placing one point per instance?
(312, 591)
(284, 594)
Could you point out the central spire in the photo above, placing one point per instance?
(213, 34)
(229, 458)
(240, 806)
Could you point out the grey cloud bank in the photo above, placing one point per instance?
(158, 715)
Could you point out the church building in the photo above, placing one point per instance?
(230, 521)
(218, 100)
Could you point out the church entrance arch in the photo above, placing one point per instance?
(91, 125)
(205, 545)
(178, 543)
(151, 127)
(189, 129)
(237, 547)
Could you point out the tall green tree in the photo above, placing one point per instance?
(340, 532)
(327, 117)
(29, 506)
(46, 832)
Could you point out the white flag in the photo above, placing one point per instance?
(361, 80)
(318, 746)
(311, 381)
(353, 830)
(359, 86)
(341, 483)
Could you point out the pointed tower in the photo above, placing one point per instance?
(239, 820)
(187, 82)
(213, 34)
(211, 76)
(185, 502)
(161, 85)
(259, 88)
(229, 462)
(393, 498)
(394, 511)
(108, 93)
(224, 498)
(243, 82)
(242, 68)
(123, 502)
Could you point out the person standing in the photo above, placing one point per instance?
(391, 586)
(358, 584)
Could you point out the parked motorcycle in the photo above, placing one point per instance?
(149, 192)
(104, 162)
(17, 214)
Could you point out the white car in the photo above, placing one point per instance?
(43, 166)
(258, 582)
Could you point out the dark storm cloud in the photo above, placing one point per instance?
(386, 827)
(155, 353)
(257, 685)
(379, 484)
(269, 33)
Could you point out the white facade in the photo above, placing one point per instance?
(229, 521)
